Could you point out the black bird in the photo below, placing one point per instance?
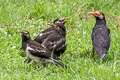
(56, 42)
(100, 35)
(44, 34)
(37, 52)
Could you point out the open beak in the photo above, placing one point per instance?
(53, 25)
(64, 19)
(22, 32)
(96, 14)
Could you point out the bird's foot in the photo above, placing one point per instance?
(28, 60)
(43, 66)
(20, 48)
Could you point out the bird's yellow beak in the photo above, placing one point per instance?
(64, 19)
(24, 32)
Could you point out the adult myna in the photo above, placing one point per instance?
(100, 35)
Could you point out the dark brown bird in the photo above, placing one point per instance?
(44, 34)
(37, 52)
(100, 35)
(56, 42)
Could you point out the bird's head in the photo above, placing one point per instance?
(98, 15)
(59, 28)
(61, 20)
(25, 34)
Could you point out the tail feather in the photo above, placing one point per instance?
(60, 63)
(102, 56)
(101, 53)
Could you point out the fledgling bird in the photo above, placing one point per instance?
(56, 42)
(37, 52)
(100, 35)
(44, 34)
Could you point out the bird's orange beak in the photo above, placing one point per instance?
(96, 14)
(53, 25)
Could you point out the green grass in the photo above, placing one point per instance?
(33, 15)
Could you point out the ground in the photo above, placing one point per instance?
(33, 15)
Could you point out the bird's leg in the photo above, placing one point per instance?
(21, 48)
(93, 51)
(28, 60)
(60, 63)
(43, 66)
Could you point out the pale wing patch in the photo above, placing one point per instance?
(41, 34)
(58, 42)
(45, 33)
(62, 46)
(40, 50)
(43, 45)
(29, 48)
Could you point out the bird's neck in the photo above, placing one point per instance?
(25, 38)
(100, 22)
(63, 31)
(25, 41)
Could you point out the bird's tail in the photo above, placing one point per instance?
(59, 63)
(102, 57)
(102, 53)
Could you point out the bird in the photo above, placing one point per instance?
(44, 34)
(100, 35)
(56, 42)
(37, 52)
(44, 37)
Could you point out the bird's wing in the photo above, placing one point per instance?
(55, 42)
(43, 35)
(107, 38)
(60, 44)
(40, 52)
(101, 37)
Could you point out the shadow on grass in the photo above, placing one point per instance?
(87, 54)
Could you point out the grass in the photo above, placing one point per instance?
(33, 15)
